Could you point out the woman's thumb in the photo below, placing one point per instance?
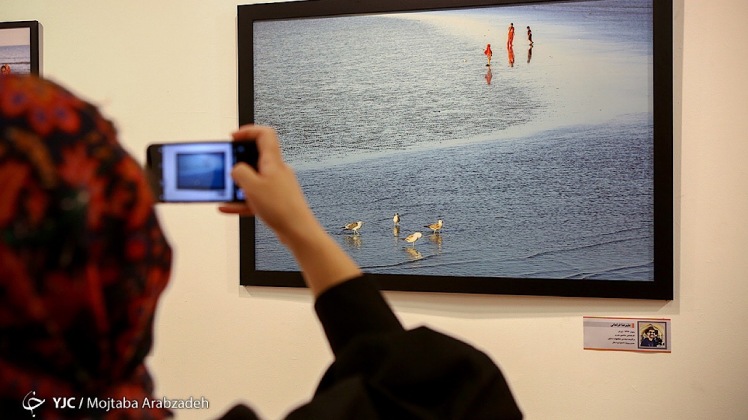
(244, 176)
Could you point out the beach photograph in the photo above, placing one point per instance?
(15, 50)
(500, 142)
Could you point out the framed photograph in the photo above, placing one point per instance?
(19, 47)
(471, 146)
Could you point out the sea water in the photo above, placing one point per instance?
(539, 165)
(18, 57)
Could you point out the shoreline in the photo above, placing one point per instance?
(514, 134)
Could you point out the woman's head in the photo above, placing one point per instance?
(82, 257)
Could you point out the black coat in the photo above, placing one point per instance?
(382, 371)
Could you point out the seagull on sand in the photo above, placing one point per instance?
(412, 238)
(436, 226)
(354, 227)
(396, 219)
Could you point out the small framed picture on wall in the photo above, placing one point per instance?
(19, 48)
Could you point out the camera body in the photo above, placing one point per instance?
(197, 172)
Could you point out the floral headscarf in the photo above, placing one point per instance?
(82, 257)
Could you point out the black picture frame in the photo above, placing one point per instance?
(24, 36)
(658, 287)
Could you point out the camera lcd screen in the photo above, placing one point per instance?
(197, 172)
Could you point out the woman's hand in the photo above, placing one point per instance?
(272, 191)
(274, 195)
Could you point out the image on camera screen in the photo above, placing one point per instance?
(201, 171)
(197, 172)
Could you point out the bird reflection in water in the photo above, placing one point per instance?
(413, 253)
(436, 239)
(353, 241)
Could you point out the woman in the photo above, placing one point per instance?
(83, 262)
(82, 258)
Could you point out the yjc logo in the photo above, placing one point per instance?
(64, 402)
(32, 403)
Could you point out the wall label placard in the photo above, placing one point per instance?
(627, 334)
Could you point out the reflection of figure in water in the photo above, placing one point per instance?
(353, 241)
(510, 52)
(510, 37)
(529, 35)
(436, 238)
(413, 253)
(396, 231)
(529, 54)
(489, 76)
(488, 53)
(5, 69)
(651, 337)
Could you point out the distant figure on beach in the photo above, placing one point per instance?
(510, 37)
(488, 53)
(5, 69)
(529, 35)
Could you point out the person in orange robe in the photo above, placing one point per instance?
(510, 38)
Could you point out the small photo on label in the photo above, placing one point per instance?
(652, 334)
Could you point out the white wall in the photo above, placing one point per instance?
(166, 70)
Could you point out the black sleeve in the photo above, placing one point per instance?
(348, 310)
(351, 309)
(382, 371)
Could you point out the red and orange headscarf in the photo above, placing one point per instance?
(82, 257)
